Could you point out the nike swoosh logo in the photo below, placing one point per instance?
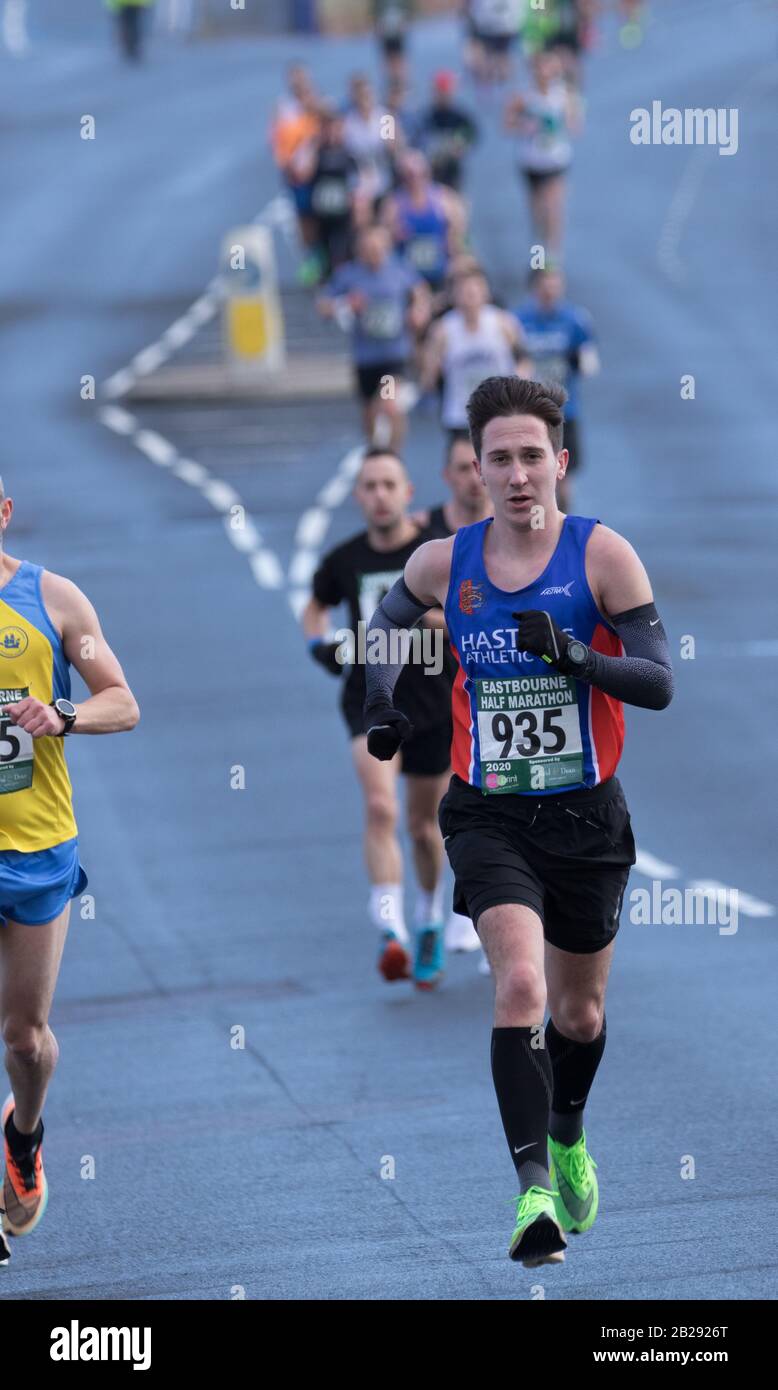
(578, 1207)
(654, 623)
(523, 1147)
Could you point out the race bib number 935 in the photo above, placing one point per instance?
(529, 734)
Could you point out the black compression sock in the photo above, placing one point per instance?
(523, 1081)
(22, 1143)
(574, 1066)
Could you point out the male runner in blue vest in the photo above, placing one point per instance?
(552, 622)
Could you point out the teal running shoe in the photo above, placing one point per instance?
(430, 956)
(537, 1239)
(577, 1196)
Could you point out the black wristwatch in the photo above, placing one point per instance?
(68, 713)
(576, 657)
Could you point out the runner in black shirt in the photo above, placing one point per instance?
(359, 573)
(469, 502)
(446, 132)
(333, 177)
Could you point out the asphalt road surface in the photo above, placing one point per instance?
(258, 1168)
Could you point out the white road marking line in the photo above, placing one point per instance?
(245, 538)
(314, 524)
(267, 570)
(149, 359)
(196, 474)
(117, 384)
(645, 863)
(765, 646)
(750, 906)
(155, 447)
(116, 419)
(689, 185)
(14, 30)
(220, 495)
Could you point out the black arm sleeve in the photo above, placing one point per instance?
(644, 675)
(326, 587)
(398, 610)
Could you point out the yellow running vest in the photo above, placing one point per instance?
(36, 807)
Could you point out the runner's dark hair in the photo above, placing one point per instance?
(454, 437)
(511, 395)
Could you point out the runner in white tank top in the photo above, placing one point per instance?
(472, 341)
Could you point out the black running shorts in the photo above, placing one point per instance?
(567, 857)
(370, 379)
(427, 753)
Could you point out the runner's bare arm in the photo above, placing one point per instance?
(616, 574)
(314, 618)
(111, 707)
(643, 676)
(432, 357)
(420, 308)
(427, 572)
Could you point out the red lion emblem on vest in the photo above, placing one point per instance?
(471, 596)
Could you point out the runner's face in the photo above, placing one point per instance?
(383, 491)
(520, 469)
(463, 477)
(470, 292)
(549, 290)
(374, 248)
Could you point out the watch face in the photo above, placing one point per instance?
(65, 708)
(577, 652)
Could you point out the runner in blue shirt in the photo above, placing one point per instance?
(560, 340)
(384, 302)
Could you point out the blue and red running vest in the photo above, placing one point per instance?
(519, 725)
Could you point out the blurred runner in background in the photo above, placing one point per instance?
(391, 26)
(334, 178)
(294, 131)
(446, 132)
(545, 117)
(359, 572)
(472, 341)
(373, 137)
(560, 339)
(385, 302)
(131, 24)
(427, 221)
(468, 502)
(495, 29)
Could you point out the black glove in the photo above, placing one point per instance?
(386, 728)
(539, 634)
(324, 653)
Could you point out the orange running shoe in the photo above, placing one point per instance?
(394, 962)
(25, 1190)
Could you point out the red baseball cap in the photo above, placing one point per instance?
(444, 81)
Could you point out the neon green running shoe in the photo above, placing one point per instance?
(577, 1196)
(537, 1239)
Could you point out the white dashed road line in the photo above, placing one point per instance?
(241, 531)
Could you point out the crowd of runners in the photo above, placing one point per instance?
(390, 250)
(543, 621)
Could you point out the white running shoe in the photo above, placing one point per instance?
(461, 935)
